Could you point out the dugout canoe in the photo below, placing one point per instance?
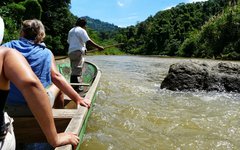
(70, 119)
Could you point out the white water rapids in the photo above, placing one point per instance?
(132, 113)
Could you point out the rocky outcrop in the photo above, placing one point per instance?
(193, 76)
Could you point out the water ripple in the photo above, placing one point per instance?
(133, 113)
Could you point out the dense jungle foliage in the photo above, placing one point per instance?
(203, 29)
(57, 19)
(207, 29)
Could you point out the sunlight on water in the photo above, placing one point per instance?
(132, 113)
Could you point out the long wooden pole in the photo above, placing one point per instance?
(105, 47)
(89, 51)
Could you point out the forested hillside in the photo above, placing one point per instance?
(202, 29)
(218, 38)
(207, 29)
(99, 25)
(56, 17)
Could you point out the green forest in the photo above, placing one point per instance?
(207, 29)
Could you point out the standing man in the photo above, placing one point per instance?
(77, 40)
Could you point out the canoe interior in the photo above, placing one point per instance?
(70, 119)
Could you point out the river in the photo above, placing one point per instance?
(132, 113)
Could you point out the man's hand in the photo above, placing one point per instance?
(67, 138)
(84, 102)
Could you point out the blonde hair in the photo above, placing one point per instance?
(33, 30)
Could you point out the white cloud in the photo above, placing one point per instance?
(191, 1)
(169, 7)
(120, 4)
(124, 21)
(123, 3)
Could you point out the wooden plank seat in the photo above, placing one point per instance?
(30, 132)
(80, 84)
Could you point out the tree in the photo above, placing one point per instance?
(33, 10)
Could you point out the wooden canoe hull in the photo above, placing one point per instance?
(70, 119)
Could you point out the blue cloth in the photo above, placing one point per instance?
(39, 58)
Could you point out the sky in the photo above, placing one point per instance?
(122, 13)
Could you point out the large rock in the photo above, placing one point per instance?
(193, 76)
